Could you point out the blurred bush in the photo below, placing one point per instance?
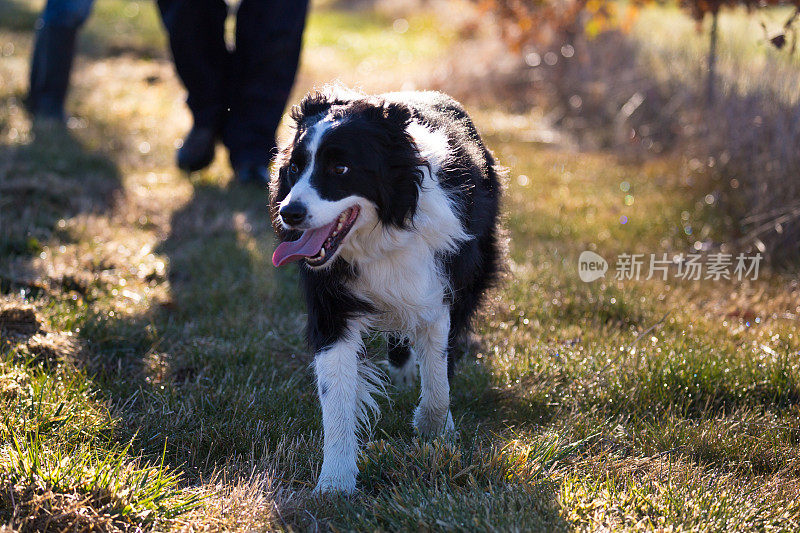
(615, 87)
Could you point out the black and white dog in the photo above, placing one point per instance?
(392, 202)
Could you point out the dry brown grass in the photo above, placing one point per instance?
(42, 510)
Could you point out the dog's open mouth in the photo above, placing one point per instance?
(317, 245)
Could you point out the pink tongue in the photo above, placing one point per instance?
(308, 245)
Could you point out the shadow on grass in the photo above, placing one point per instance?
(213, 370)
(49, 178)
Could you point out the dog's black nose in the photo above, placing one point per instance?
(293, 213)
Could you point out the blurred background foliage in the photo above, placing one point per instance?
(712, 80)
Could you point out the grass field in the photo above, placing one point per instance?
(153, 372)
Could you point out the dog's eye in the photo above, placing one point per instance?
(340, 169)
(293, 169)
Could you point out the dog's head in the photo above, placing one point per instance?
(351, 167)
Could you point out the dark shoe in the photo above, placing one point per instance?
(50, 70)
(252, 173)
(198, 149)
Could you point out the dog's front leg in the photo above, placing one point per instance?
(432, 416)
(337, 382)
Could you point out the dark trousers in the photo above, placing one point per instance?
(240, 93)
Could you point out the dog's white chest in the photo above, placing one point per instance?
(405, 288)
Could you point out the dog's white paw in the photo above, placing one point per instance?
(431, 423)
(404, 377)
(332, 482)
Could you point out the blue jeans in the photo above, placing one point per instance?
(66, 13)
(53, 52)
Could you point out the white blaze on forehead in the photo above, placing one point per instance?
(314, 135)
(320, 210)
(317, 131)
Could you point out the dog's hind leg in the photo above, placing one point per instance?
(432, 416)
(336, 367)
(402, 362)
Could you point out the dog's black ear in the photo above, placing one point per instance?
(319, 101)
(399, 114)
(312, 104)
(392, 116)
(402, 165)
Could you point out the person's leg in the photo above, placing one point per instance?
(268, 39)
(196, 30)
(53, 52)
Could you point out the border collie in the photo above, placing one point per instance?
(390, 203)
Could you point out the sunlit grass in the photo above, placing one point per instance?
(355, 37)
(125, 27)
